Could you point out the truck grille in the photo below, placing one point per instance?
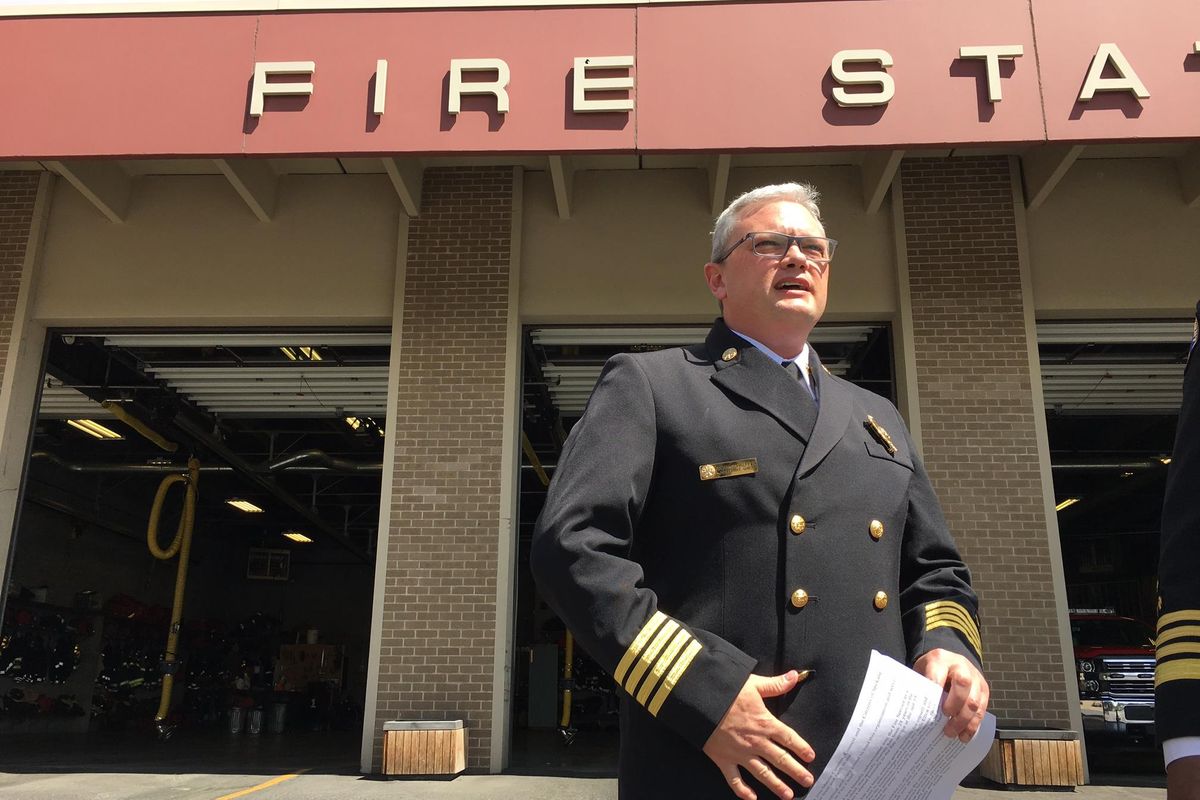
(1124, 677)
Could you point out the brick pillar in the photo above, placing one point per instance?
(18, 191)
(439, 606)
(978, 420)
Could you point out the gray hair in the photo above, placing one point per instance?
(802, 193)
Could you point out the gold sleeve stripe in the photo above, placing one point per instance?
(972, 640)
(958, 620)
(960, 616)
(1176, 633)
(942, 619)
(947, 611)
(650, 653)
(947, 608)
(673, 677)
(1181, 647)
(639, 642)
(1186, 615)
(1179, 670)
(660, 666)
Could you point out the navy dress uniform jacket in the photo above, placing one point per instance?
(702, 526)
(1177, 677)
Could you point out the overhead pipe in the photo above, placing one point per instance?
(145, 430)
(331, 463)
(334, 465)
(184, 420)
(223, 452)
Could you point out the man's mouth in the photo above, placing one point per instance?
(790, 285)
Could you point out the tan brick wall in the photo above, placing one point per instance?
(977, 419)
(18, 190)
(439, 612)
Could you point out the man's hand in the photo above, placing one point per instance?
(750, 736)
(967, 691)
(1183, 778)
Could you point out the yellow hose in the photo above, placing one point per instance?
(568, 672)
(181, 544)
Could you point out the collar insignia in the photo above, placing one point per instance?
(880, 435)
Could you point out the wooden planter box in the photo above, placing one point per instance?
(423, 747)
(1034, 758)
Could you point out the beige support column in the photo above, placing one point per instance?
(907, 397)
(372, 721)
(980, 417)
(24, 209)
(1046, 476)
(510, 489)
(442, 561)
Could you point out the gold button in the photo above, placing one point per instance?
(798, 524)
(876, 529)
(708, 472)
(729, 355)
(799, 598)
(881, 601)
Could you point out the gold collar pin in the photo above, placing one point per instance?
(880, 434)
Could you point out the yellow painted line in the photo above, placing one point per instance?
(264, 785)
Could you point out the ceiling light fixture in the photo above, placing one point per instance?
(297, 536)
(301, 353)
(244, 505)
(1070, 501)
(1165, 460)
(354, 422)
(95, 429)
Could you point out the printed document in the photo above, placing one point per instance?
(894, 748)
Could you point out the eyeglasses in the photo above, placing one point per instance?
(816, 249)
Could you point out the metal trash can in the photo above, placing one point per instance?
(254, 721)
(278, 719)
(237, 717)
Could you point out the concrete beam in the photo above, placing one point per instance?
(1043, 168)
(254, 181)
(103, 183)
(878, 169)
(407, 175)
(562, 175)
(718, 182)
(1188, 165)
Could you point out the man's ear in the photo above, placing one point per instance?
(714, 276)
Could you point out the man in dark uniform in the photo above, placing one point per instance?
(1177, 678)
(731, 530)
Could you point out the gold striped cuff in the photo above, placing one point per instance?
(639, 642)
(673, 677)
(949, 614)
(650, 654)
(655, 653)
(1180, 669)
(1179, 647)
(682, 637)
(1178, 633)
(1184, 615)
(956, 620)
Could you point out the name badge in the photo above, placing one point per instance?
(728, 469)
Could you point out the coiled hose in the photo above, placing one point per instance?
(181, 545)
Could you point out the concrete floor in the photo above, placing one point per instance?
(144, 786)
(301, 765)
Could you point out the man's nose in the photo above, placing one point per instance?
(794, 255)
